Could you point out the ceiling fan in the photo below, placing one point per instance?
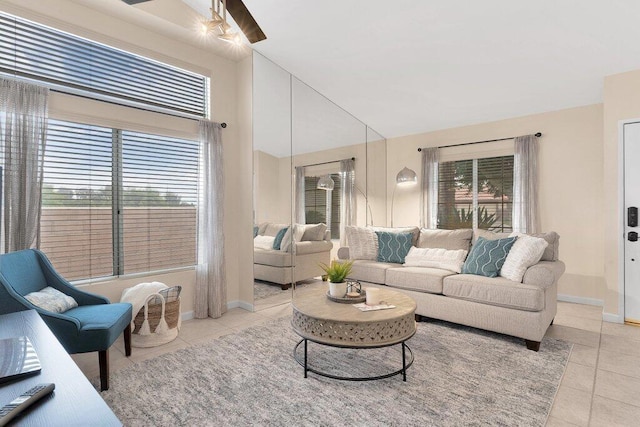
(240, 14)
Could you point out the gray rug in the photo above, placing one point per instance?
(461, 376)
(262, 290)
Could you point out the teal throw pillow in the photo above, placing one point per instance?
(255, 231)
(393, 247)
(487, 256)
(278, 240)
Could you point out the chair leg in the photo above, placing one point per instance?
(103, 357)
(127, 340)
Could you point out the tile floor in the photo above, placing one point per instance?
(601, 386)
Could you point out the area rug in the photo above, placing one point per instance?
(262, 290)
(461, 376)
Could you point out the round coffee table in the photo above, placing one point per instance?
(320, 320)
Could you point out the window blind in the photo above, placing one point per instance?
(118, 202)
(76, 221)
(316, 203)
(159, 199)
(34, 51)
(476, 193)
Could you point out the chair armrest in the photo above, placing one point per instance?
(312, 247)
(544, 274)
(56, 281)
(343, 252)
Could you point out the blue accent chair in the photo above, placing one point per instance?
(92, 326)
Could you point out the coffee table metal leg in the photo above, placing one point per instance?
(305, 358)
(404, 364)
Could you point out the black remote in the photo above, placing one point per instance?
(26, 399)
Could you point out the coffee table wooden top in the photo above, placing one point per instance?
(319, 319)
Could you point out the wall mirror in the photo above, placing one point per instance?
(316, 169)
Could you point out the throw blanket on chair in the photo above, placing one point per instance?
(138, 295)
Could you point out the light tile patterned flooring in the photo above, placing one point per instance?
(601, 386)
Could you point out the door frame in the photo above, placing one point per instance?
(621, 223)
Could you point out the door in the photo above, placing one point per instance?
(631, 227)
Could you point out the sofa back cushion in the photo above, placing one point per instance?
(451, 260)
(393, 247)
(551, 252)
(313, 232)
(445, 239)
(487, 256)
(272, 229)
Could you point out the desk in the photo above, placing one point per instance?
(74, 402)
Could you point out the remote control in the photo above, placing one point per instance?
(26, 399)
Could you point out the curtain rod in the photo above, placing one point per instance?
(324, 163)
(538, 135)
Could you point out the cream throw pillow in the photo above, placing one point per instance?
(263, 242)
(446, 259)
(51, 299)
(525, 252)
(362, 243)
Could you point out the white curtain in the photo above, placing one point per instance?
(525, 185)
(429, 190)
(23, 135)
(347, 197)
(211, 283)
(299, 214)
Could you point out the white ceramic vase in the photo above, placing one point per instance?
(337, 290)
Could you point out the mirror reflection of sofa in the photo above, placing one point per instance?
(449, 279)
(279, 247)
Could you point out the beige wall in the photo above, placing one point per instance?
(571, 193)
(224, 73)
(621, 102)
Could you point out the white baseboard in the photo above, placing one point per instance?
(187, 315)
(580, 300)
(239, 304)
(612, 318)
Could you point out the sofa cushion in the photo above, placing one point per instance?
(420, 279)
(272, 229)
(362, 242)
(551, 252)
(393, 247)
(313, 232)
(256, 229)
(451, 260)
(272, 258)
(277, 241)
(494, 291)
(370, 271)
(263, 242)
(445, 239)
(525, 252)
(487, 256)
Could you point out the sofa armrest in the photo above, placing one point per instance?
(343, 252)
(544, 274)
(312, 247)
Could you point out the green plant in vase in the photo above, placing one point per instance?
(337, 272)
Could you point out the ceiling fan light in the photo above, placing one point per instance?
(231, 37)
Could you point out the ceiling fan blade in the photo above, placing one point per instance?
(245, 21)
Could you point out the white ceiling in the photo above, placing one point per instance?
(409, 66)
(412, 66)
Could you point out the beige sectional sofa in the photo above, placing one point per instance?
(523, 309)
(298, 257)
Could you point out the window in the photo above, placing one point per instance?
(321, 205)
(74, 64)
(118, 202)
(476, 193)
